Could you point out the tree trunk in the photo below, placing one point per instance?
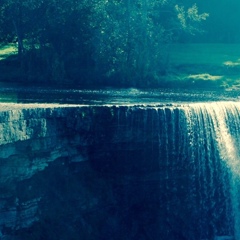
(18, 25)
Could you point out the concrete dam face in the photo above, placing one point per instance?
(137, 172)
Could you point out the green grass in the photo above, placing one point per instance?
(212, 54)
(211, 64)
(7, 51)
(10, 70)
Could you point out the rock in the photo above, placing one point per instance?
(140, 172)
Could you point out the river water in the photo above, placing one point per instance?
(111, 96)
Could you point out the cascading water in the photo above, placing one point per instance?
(199, 141)
(217, 127)
(169, 171)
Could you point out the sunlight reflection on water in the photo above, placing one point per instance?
(111, 96)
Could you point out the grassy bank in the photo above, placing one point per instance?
(210, 64)
(10, 69)
(190, 65)
(212, 54)
(7, 51)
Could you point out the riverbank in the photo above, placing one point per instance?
(215, 66)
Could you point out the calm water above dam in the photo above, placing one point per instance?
(110, 96)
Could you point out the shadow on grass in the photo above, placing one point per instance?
(10, 69)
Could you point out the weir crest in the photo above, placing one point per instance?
(150, 170)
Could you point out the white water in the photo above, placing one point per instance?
(203, 141)
(200, 142)
(219, 120)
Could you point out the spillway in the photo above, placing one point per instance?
(139, 171)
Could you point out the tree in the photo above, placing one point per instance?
(52, 36)
(18, 21)
(73, 41)
(131, 38)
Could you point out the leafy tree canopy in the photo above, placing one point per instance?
(75, 41)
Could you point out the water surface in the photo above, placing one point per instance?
(111, 96)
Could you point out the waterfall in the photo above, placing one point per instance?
(157, 171)
(197, 146)
(214, 129)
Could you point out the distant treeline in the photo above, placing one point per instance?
(222, 26)
(92, 42)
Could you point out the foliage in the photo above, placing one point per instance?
(74, 41)
(131, 38)
(188, 18)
